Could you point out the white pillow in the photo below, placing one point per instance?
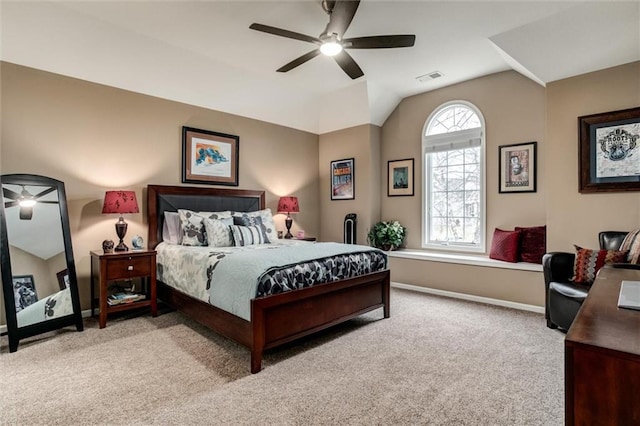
(192, 224)
(218, 232)
(269, 227)
(247, 235)
(171, 228)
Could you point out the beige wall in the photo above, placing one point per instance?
(95, 138)
(514, 111)
(575, 218)
(363, 144)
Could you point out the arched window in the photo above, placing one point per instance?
(454, 178)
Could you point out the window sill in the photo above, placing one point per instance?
(463, 259)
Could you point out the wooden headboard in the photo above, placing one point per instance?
(161, 198)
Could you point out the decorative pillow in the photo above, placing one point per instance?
(192, 224)
(171, 228)
(246, 220)
(533, 243)
(504, 245)
(267, 222)
(588, 262)
(246, 235)
(632, 243)
(218, 232)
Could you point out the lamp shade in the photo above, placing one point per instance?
(288, 205)
(120, 202)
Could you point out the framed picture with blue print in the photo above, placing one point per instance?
(609, 150)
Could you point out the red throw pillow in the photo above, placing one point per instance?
(533, 243)
(588, 262)
(505, 245)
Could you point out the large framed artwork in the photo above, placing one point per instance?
(609, 151)
(24, 291)
(400, 178)
(342, 179)
(517, 170)
(209, 157)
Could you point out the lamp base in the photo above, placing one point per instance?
(121, 230)
(288, 222)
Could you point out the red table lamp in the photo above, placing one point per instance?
(120, 202)
(288, 205)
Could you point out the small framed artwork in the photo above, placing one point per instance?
(342, 179)
(63, 279)
(517, 167)
(209, 157)
(24, 291)
(609, 150)
(400, 177)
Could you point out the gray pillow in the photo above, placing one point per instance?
(218, 232)
(171, 228)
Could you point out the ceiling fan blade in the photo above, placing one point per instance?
(10, 204)
(48, 202)
(341, 16)
(380, 42)
(284, 33)
(43, 193)
(348, 65)
(299, 61)
(10, 194)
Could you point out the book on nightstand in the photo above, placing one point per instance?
(119, 298)
(629, 295)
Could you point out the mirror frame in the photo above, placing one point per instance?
(14, 332)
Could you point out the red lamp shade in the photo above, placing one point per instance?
(120, 202)
(288, 205)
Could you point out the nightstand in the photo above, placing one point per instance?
(123, 265)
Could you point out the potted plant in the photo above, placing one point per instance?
(387, 235)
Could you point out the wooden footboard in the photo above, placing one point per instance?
(284, 317)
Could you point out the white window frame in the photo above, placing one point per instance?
(447, 138)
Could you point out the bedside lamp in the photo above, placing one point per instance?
(288, 205)
(120, 202)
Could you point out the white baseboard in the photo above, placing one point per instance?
(85, 314)
(470, 297)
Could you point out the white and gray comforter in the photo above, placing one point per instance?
(229, 277)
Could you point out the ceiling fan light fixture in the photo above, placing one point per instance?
(27, 202)
(331, 48)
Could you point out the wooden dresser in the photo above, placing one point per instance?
(602, 357)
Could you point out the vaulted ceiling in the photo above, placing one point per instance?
(203, 52)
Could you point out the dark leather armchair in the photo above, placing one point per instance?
(563, 297)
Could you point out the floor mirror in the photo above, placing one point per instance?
(39, 282)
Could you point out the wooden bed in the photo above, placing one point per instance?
(275, 319)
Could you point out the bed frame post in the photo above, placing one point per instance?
(258, 336)
(386, 295)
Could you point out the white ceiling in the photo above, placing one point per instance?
(203, 52)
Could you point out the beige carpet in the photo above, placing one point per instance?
(436, 361)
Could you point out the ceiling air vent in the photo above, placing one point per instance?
(430, 76)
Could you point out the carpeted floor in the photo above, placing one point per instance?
(436, 361)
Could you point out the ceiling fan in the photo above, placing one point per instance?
(332, 42)
(25, 200)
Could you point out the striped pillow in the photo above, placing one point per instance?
(246, 235)
(632, 243)
(588, 263)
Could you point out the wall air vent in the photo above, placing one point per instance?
(429, 76)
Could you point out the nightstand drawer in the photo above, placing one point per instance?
(128, 268)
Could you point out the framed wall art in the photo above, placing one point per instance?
(517, 171)
(609, 150)
(342, 179)
(209, 157)
(63, 279)
(400, 177)
(24, 291)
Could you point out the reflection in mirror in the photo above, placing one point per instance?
(41, 278)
